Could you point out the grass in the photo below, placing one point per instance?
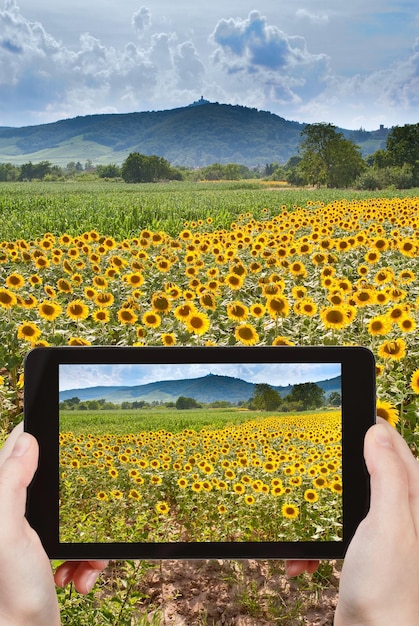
(121, 210)
(131, 420)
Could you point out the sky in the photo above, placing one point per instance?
(81, 376)
(354, 64)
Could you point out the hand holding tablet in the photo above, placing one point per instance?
(199, 452)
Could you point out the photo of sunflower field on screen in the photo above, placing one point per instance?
(187, 470)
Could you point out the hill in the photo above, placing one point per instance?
(210, 388)
(193, 136)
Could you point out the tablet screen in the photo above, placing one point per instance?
(198, 452)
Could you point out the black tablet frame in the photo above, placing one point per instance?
(41, 418)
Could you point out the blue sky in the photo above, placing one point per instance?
(79, 376)
(355, 64)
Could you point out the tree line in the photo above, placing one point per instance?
(302, 397)
(325, 158)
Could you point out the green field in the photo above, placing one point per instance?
(153, 419)
(173, 420)
(29, 210)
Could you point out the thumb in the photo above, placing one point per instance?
(16, 472)
(388, 475)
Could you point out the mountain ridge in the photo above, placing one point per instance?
(191, 136)
(209, 388)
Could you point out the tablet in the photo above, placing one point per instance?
(198, 452)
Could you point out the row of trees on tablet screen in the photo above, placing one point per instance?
(302, 397)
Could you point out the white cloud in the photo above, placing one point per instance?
(141, 20)
(188, 66)
(243, 60)
(314, 18)
(380, 97)
(252, 55)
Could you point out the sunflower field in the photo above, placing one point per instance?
(345, 272)
(271, 479)
(223, 266)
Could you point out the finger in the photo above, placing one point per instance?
(83, 573)
(389, 479)
(64, 573)
(295, 568)
(86, 575)
(16, 473)
(10, 442)
(411, 466)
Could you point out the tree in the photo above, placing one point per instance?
(140, 168)
(327, 158)
(403, 147)
(186, 403)
(108, 171)
(310, 395)
(265, 398)
(334, 399)
(8, 172)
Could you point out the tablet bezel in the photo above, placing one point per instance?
(41, 418)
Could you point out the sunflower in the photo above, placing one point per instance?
(101, 315)
(41, 262)
(246, 334)
(234, 281)
(78, 341)
(282, 341)
(134, 495)
(100, 282)
(183, 311)
(64, 286)
(364, 297)
(396, 314)
(49, 310)
(278, 306)
(305, 306)
(388, 412)
(395, 349)
(310, 495)
(257, 310)
(168, 339)
(237, 311)
(162, 508)
(414, 381)
(104, 299)
(297, 269)
(335, 317)
(77, 310)
(7, 299)
(207, 300)
(151, 319)
(15, 281)
(127, 316)
(160, 303)
(407, 324)
(290, 511)
(406, 276)
(408, 247)
(28, 331)
(373, 256)
(378, 325)
(197, 323)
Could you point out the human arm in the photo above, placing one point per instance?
(27, 590)
(380, 576)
